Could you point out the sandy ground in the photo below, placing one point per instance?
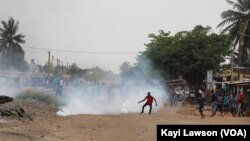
(126, 127)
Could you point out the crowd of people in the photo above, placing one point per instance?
(219, 101)
(236, 104)
(223, 103)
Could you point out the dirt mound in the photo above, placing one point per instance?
(26, 109)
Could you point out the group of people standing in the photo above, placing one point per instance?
(223, 103)
(176, 95)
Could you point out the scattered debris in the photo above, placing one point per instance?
(26, 109)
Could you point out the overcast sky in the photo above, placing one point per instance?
(120, 27)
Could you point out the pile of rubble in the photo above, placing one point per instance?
(16, 109)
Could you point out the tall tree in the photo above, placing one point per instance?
(237, 20)
(10, 48)
(125, 69)
(74, 70)
(189, 54)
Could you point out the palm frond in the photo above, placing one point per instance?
(13, 26)
(244, 4)
(1, 30)
(232, 13)
(5, 26)
(239, 6)
(228, 28)
(19, 49)
(230, 2)
(10, 42)
(226, 21)
(19, 38)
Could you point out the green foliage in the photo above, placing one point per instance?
(92, 74)
(125, 69)
(98, 74)
(237, 20)
(189, 54)
(140, 72)
(38, 96)
(12, 54)
(75, 71)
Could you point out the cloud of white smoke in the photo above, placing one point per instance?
(114, 97)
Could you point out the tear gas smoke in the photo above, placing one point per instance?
(106, 100)
(13, 82)
(101, 98)
(9, 83)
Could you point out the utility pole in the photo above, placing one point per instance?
(52, 61)
(62, 68)
(232, 67)
(57, 67)
(49, 64)
(57, 63)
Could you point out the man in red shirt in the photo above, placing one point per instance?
(149, 102)
(240, 103)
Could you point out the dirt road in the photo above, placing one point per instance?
(126, 127)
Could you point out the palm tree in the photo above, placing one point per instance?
(10, 40)
(238, 21)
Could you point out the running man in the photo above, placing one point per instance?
(201, 102)
(149, 102)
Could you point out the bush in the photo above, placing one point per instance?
(38, 96)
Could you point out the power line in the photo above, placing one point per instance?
(86, 52)
(36, 51)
